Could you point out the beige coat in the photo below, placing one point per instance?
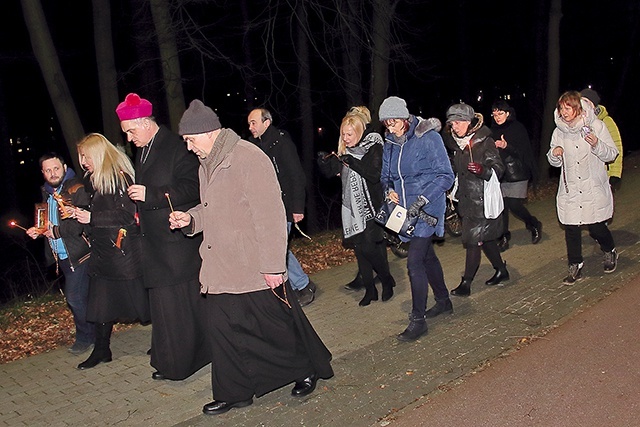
(586, 198)
(242, 219)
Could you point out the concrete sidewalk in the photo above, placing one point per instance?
(378, 379)
(585, 373)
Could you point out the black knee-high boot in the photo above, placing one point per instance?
(101, 352)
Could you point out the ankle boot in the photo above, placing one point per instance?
(441, 307)
(371, 294)
(417, 327)
(355, 284)
(387, 288)
(101, 352)
(501, 275)
(463, 289)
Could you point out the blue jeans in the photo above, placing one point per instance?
(76, 291)
(297, 277)
(424, 271)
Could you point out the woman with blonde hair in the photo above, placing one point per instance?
(116, 290)
(358, 162)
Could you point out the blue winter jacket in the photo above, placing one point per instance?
(417, 164)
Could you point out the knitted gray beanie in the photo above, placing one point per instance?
(393, 108)
(198, 119)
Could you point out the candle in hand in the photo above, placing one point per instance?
(169, 200)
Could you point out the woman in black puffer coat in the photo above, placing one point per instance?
(512, 141)
(475, 156)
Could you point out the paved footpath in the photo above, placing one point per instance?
(380, 381)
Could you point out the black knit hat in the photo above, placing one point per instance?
(198, 119)
(591, 95)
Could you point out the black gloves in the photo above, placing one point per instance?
(416, 207)
(415, 210)
(328, 164)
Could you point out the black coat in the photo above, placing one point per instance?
(168, 256)
(109, 214)
(278, 145)
(74, 235)
(475, 227)
(517, 157)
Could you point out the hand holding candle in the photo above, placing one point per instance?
(12, 223)
(169, 200)
(127, 178)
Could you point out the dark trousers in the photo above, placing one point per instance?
(76, 291)
(472, 262)
(373, 256)
(516, 206)
(573, 236)
(424, 270)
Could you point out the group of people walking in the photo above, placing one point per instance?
(197, 245)
(415, 171)
(194, 244)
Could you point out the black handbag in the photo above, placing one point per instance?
(395, 218)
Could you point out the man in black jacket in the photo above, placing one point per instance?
(277, 144)
(67, 244)
(166, 179)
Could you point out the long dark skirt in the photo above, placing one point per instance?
(259, 344)
(117, 300)
(178, 339)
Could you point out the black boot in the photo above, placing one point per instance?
(101, 352)
(463, 289)
(371, 294)
(356, 284)
(417, 327)
(441, 307)
(501, 275)
(536, 231)
(387, 288)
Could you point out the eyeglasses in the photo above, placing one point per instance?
(498, 113)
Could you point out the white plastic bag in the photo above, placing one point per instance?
(493, 203)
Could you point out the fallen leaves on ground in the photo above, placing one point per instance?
(42, 324)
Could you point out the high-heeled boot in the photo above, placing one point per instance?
(101, 352)
(371, 294)
(463, 289)
(387, 288)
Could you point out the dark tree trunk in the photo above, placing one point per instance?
(553, 83)
(107, 75)
(306, 115)
(55, 81)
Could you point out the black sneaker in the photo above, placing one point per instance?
(575, 274)
(610, 261)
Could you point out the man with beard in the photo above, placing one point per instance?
(67, 244)
(166, 178)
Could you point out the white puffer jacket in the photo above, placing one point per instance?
(586, 198)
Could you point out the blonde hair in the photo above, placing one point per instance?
(108, 161)
(363, 111)
(357, 120)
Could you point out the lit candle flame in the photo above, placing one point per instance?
(169, 200)
(15, 224)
